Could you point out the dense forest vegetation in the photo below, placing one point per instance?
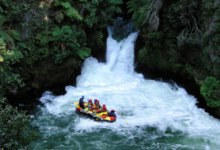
(43, 43)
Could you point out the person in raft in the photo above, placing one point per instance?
(112, 113)
(94, 103)
(96, 110)
(90, 102)
(81, 102)
(90, 108)
(103, 109)
(97, 104)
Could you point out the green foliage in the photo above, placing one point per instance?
(211, 91)
(8, 78)
(116, 2)
(145, 12)
(73, 14)
(8, 35)
(100, 12)
(61, 34)
(35, 51)
(59, 17)
(5, 3)
(14, 34)
(65, 4)
(15, 134)
(71, 43)
(68, 10)
(14, 10)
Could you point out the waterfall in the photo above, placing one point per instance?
(159, 116)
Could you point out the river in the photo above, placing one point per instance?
(161, 116)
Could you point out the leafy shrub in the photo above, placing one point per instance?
(8, 78)
(14, 131)
(210, 90)
(68, 41)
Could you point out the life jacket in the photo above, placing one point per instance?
(104, 109)
(97, 105)
(91, 109)
(81, 99)
(90, 103)
(81, 103)
(112, 114)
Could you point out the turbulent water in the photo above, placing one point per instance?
(160, 116)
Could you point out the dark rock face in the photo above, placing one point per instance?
(55, 79)
(52, 80)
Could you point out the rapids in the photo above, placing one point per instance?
(160, 116)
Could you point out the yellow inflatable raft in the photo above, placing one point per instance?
(101, 117)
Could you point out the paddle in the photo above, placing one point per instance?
(122, 118)
(75, 103)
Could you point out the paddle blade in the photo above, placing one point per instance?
(75, 103)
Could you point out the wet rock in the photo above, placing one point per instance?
(58, 78)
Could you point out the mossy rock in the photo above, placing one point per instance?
(156, 61)
(46, 80)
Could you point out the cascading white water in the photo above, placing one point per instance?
(159, 117)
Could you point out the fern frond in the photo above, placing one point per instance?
(135, 15)
(88, 6)
(5, 3)
(14, 34)
(8, 38)
(131, 10)
(14, 55)
(73, 14)
(55, 31)
(84, 53)
(66, 29)
(18, 54)
(118, 10)
(56, 3)
(1, 10)
(3, 19)
(139, 20)
(129, 2)
(65, 4)
(22, 45)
